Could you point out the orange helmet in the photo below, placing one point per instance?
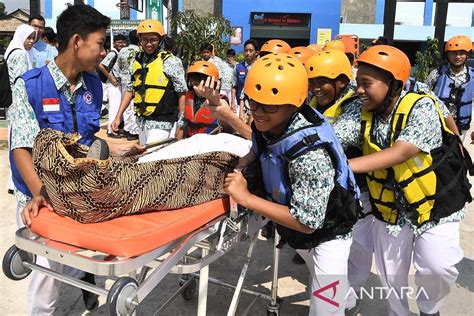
(459, 42)
(203, 67)
(276, 79)
(388, 58)
(302, 53)
(330, 64)
(315, 47)
(275, 46)
(150, 26)
(336, 44)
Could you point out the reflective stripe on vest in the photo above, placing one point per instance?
(150, 94)
(412, 186)
(445, 89)
(52, 110)
(200, 121)
(334, 110)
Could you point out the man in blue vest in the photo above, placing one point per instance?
(453, 83)
(251, 49)
(65, 96)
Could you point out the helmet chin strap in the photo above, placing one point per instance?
(393, 89)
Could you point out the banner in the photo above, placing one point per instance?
(324, 36)
(154, 10)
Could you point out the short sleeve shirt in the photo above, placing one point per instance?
(423, 130)
(24, 126)
(311, 177)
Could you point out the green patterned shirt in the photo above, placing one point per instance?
(423, 130)
(311, 178)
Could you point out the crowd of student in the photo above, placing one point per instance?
(356, 163)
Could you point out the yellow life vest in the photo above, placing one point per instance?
(428, 186)
(334, 110)
(155, 96)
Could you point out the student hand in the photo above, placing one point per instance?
(115, 124)
(221, 111)
(32, 209)
(113, 81)
(210, 89)
(233, 107)
(126, 149)
(236, 186)
(179, 133)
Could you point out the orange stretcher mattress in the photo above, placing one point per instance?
(128, 236)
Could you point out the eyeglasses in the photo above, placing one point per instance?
(253, 106)
(152, 40)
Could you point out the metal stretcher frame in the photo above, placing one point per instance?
(214, 239)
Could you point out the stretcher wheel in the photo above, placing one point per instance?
(12, 263)
(273, 310)
(121, 296)
(189, 292)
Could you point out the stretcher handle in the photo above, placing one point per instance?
(159, 143)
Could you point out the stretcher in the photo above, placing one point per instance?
(146, 247)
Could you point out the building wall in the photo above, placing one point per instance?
(324, 13)
(358, 11)
(201, 7)
(51, 9)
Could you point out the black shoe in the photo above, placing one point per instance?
(132, 136)
(104, 112)
(268, 231)
(10, 191)
(424, 314)
(114, 135)
(91, 300)
(98, 150)
(354, 311)
(298, 259)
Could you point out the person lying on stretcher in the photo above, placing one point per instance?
(181, 174)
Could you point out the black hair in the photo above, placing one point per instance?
(169, 43)
(120, 37)
(351, 57)
(79, 19)
(230, 52)
(36, 17)
(206, 46)
(380, 41)
(252, 42)
(133, 37)
(49, 34)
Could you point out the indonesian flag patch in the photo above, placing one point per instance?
(51, 105)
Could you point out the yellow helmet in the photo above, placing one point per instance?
(459, 42)
(150, 26)
(275, 46)
(336, 44)
(330, 64)
(204, 68)
(302, 53)
(315, 47)
(277, 79)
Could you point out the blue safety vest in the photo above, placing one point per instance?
(460, 97)
(52, 110)
(343, 207)
(240, 72)
(411, 85)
